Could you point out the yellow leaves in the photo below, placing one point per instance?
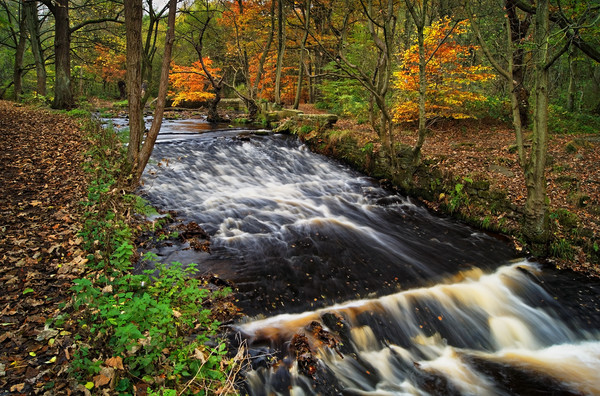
(190, 83)
(450, 74)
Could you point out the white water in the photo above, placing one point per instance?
(436, 331)
(425, 305)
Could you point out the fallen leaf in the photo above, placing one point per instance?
(101, 380)
(116, 362)
(17, 388)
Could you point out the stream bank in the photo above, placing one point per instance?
(468, 172)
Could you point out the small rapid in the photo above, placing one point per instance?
(387, 298)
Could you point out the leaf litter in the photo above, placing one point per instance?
(41, 185)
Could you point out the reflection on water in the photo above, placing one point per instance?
(416, 304)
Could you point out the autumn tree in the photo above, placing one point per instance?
(190, 83)
(251, 28)
(304, 17)
(450, 75)
(109, 64)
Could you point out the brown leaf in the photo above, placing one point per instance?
(116, 362)
(107, 374)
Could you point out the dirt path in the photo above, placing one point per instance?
(41, 185)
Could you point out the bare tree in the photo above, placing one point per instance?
(150, 140)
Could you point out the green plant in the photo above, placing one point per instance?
(562, 121)
(368, 148)
(305, 130)
(241, 120)
(79, 113)
(486, 223)
(459, 197)
(155, 322)
(562, 248)
(565, 218)
(121, 104)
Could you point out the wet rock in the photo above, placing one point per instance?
(338, 324)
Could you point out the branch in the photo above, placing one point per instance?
(443, 40)
(586, 48)
(558, 54)
(93, 21)
(484, 46)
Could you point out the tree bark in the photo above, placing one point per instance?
(33, 26)
(281, 38)
(572, 90)
(519, 28)
(133, 26)
(20, 51)
(536, 225)
(63, 94)
(148, 146)
(302, 49)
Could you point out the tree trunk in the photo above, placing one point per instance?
(33, 26)
(253, 92)
(133, 26)
(572, 91)
(536, 224)
(63, 95)
(420, 19)
(18, 69)
(519, 28)
(148, 146)
(302, 49)
(422, 95)
(213, 107)
(280, 49)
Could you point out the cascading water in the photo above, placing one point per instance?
(386, 298)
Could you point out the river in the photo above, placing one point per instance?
(350, 289)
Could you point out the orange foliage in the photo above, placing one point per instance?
(190, 82)
(109, 64)
(252, 26)
(266, 85)
(450, 75)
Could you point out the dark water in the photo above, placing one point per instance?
(418, 304)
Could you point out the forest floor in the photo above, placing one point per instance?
(41, 186)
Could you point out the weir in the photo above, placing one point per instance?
(351, 290)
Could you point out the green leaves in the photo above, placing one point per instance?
(154, 321)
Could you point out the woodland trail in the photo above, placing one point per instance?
(41, 186)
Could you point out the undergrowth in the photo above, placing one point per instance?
(139, 331)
